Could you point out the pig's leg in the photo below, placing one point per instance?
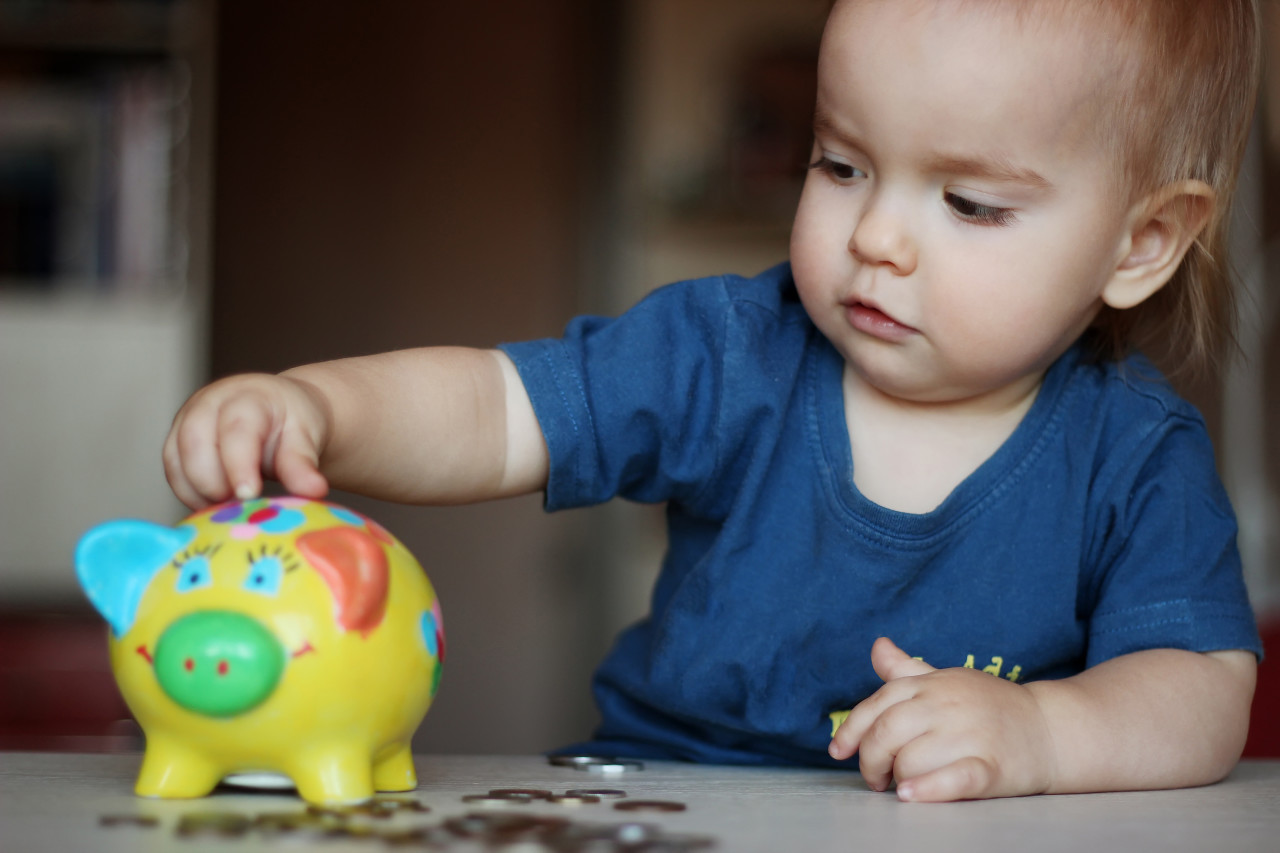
(394, 771)
(170, 769)
(341, 773)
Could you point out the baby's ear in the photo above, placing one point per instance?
(1162, 227)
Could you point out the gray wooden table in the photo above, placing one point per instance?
(73, 803)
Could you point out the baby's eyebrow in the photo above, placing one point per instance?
(993, 168)
(989, 169)
(824, 124)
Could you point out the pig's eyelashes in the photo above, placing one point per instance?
(192, 566)
(265, 574)
(194, 573)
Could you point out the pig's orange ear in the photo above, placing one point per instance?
(354, 567)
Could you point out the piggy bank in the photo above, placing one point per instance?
(283, 636)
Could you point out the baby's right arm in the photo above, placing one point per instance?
(435, 425)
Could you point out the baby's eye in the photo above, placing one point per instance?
(982, 214)
(839, 171)
(194, 573)
(265, 574)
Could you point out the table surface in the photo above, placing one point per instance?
(57, 802)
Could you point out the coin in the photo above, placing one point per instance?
(520, 793)
(431, 837)
(281, 822)
(649, 806)
(128, 820)
(487, 800)
(579, 760)
(573, 800)
(504, 827)
(225, 824)
(622, 765)
(401, 804)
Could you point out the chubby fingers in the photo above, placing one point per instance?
(228, 434)
(966, 778)
(297, 466)
(191, 462)
(891, 662)
(876, 724)
(244, 428)
(884, 725)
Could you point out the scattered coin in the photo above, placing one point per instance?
(431, 837)
(379, 809)
(351, 830)
(636, 833)
(284, 822)
(604, 837)
(573, 799)
(580, 760)
(649, 806)
(128, 820)
(472, 825)
(224, 824)
(487, 800)
(402, 804)
(622, 765)
(520, 793)
(504, 828)
(605, 793)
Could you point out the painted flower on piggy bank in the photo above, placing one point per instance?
(281, 635)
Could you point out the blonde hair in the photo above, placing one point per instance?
(1181, 110)
(1184, 115)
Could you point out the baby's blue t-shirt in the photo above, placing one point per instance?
(1099, 527)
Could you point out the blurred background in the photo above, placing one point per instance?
(191, 188)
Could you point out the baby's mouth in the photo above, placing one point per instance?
(870, 320)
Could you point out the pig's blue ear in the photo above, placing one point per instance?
(116, 561)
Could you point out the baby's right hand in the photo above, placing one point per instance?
(232, 432)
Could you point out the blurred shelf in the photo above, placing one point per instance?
(124, 27)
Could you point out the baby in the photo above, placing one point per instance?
(928, 437)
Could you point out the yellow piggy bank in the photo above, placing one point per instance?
(277, 635)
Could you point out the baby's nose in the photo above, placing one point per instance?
(882, 237)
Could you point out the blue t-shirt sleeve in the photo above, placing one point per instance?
(1170, 569)
(628, 405)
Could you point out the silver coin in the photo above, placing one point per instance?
(622, 765)
(579, 760)
(604, 793)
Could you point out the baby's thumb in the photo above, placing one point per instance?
(891, 662)
(298, 470)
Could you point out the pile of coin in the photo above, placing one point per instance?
(373, 821)
(500, 829)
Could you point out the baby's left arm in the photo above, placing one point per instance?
(1162, 718)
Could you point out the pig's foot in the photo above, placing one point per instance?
(172, 770)
(395, 772)
(340, 775)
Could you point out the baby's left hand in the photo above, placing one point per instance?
(946, 734)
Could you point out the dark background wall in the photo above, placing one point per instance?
(393, 174)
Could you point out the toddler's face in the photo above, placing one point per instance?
(964, 213)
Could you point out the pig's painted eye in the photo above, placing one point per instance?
(194, 573)
(265, 574)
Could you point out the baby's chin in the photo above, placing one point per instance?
(932, 385)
